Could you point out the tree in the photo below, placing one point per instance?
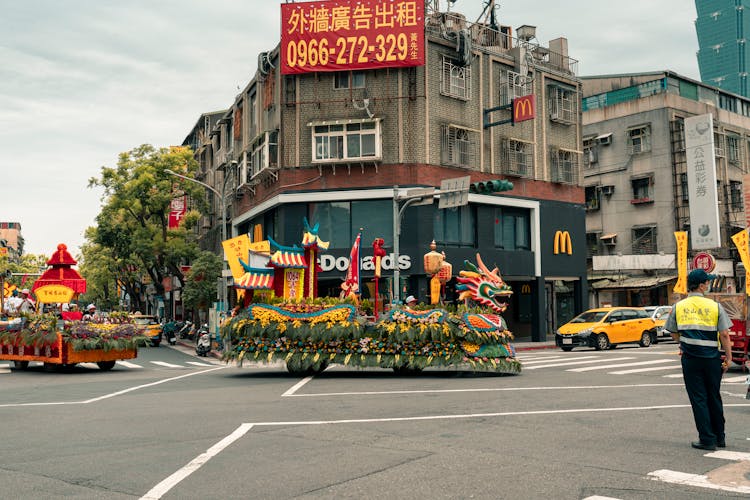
(200, 286)
(133, 223)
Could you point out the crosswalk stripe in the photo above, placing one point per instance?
(556, 360)
(534, 358)
(4, 368)
(620, 365)
(89, 365)
(128, 364)
(566, 363)
(652, 369)
(734, 379)
(165, 364)
(673, 375)
(196, 363)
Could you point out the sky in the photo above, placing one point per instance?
(84, 80)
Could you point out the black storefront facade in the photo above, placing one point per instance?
(538, 246)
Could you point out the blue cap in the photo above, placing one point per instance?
(698, 276)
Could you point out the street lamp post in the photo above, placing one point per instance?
(222, 200)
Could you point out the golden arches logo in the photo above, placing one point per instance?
(524, 108)
(525, 289)
(562, 243)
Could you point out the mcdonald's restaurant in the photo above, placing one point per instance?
(537, 245)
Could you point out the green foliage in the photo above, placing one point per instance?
(132, 243)
(200, 282)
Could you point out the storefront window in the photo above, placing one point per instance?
(334, 219)
(456, 226)
(512, 228)
(376, 217)
(340, 221)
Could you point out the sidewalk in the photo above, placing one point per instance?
(525, 344)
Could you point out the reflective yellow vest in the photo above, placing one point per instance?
(697, 322)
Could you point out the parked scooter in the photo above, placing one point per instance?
(170, 329)
(203, 346)
(185, 331)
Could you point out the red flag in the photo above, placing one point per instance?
(351, 284)
(24, 278)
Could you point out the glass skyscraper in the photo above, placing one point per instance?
(722, 28)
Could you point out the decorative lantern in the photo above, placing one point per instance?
(445, 273)
(433, 260)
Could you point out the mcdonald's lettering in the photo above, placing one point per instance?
(562, 243)
(524, 108)
(525, 289)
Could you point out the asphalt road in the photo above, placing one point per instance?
(583, 424)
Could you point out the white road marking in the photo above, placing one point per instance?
(296, 387)
(729, 455)
(599, 497)
(113, 394)
(163, 487)
(128, 364)
(495, 389)
(674, 375)
(652, 369)
(556, 360)
(165, 364)
(733, 380)
(89, 365)
(4, 368)
(536, 358)
(697, 480)
(566, 363)
(621, 365)
(197, 363)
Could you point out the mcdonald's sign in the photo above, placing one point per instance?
(524, 108)
(525, 289)
(562, 243)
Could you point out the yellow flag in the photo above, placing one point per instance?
(681, 285)
(741, 242)
(234, 250)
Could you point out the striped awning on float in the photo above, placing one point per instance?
(288, 259)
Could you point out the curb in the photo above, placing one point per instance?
(535, 347)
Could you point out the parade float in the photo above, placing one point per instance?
(282, 319)
(61, 343)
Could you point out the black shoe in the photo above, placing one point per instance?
(721, 444)
(703, 446)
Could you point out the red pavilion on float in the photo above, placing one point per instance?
(60, 283)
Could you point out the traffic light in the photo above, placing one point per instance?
(486, 187)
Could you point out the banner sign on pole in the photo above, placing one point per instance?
(701, 180)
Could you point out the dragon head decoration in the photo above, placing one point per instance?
(483, 286)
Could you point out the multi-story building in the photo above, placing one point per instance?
(338, 147)
(11, 240)
(635, 179)
(723, 51)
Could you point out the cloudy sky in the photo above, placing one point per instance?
(83, 80)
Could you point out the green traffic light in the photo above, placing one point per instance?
(490, 186)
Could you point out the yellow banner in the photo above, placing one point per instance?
(741, 242)
(234, 250)
(261, 247)
(681, 285)
(53, 294)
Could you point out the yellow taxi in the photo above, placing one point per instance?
(659, 315)
(151, 327)
(606, 327)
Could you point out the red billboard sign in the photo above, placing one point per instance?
(177, 210)
(524, 108)
(340, 35)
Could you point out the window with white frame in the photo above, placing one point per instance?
(458, 146)
(455, 80)
(639, 139)
(263, 153)
(349, 80)
(719, 145)
(642, 189)
(514, 86)
(563, 166)
(563, 105)
(517, 158)
(342, 142)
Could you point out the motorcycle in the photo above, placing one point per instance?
(170, 328)
(186, 331)
(203, 346)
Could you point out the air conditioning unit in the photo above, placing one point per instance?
(607, 190)
(554, 115)
(605, 140)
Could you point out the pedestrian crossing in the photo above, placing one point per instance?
(6, 367)
(667, 365)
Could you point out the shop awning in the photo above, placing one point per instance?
(640, 282)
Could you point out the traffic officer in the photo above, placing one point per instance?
(695, 322)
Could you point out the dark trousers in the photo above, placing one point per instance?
(703, 384)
